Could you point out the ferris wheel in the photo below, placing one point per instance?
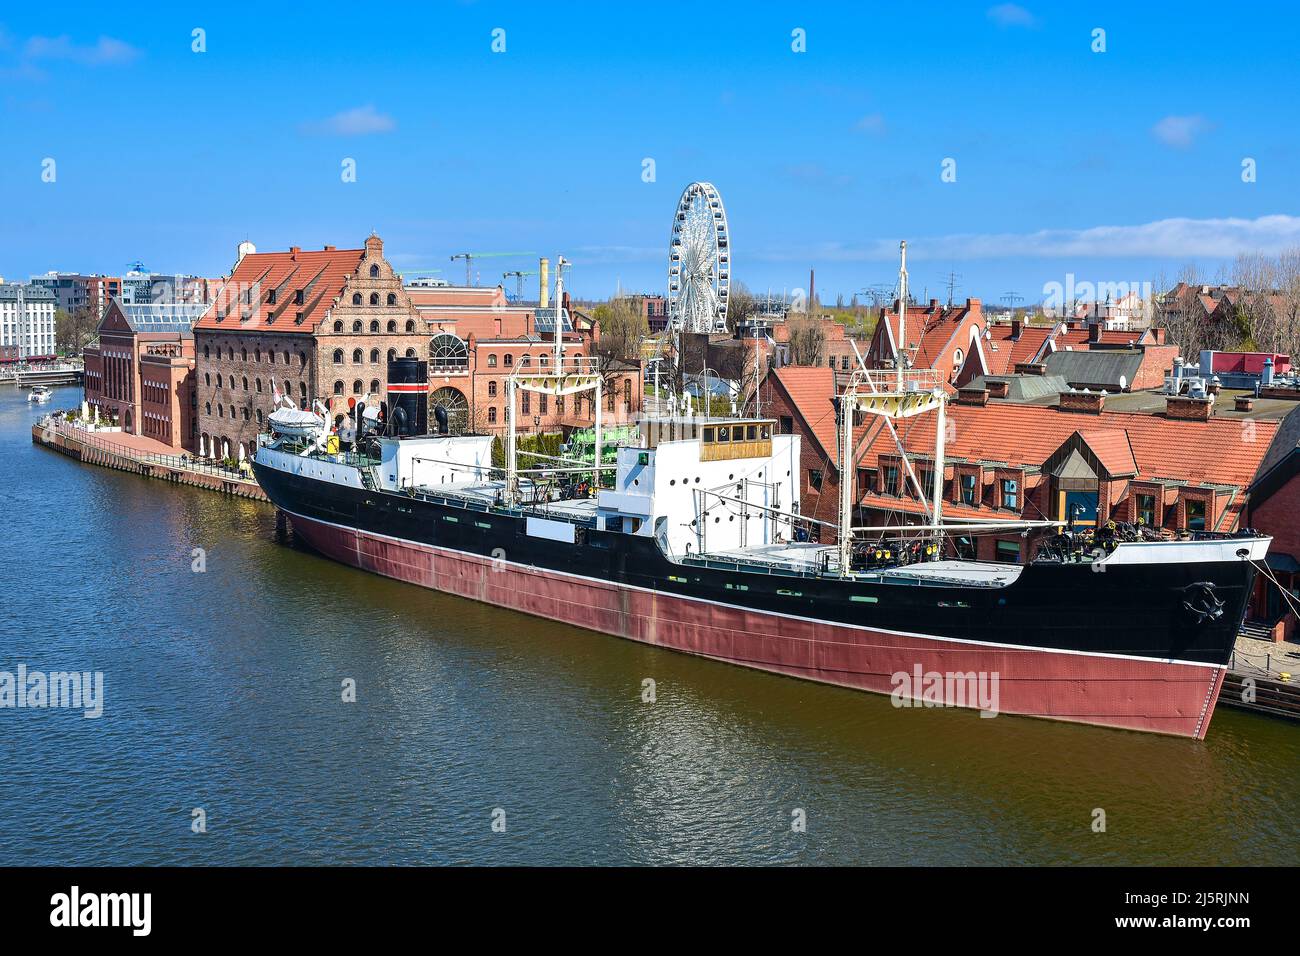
(699, 262)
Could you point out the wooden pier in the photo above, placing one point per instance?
(1264, 677)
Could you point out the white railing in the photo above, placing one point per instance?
(887, 380)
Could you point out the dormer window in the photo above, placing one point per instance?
(270, 297)
(297, 297)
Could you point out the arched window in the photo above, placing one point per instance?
(374, 326)
(356, 326)
(205, 352)
(245, 414)
(207, 408)
(338, 356)
(357, 386)
(207, 379)
(392, 298)
(447, 353)
(257, 354)
(302, 359)
(356, 356)
(243, 355)
(302, 391)
(258, 383)
(374, 272)
(525, 360)
(492, 389)
(374, 386)
(543, 359)
(374, 356)
(508, 359)
(410, 353)
(221, 411)
(218, 380)
(259, 416)
(270, 356)
(492, 414)
(338, 387)
(356, 298)
(286, 356)
(392, 354)
(374, 298)
(245, 383)
(338, 326)
(492, 361)
(392, 326)
(410, 326)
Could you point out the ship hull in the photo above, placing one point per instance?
(1145, 692)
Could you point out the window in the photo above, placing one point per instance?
(374, 326)
(968, 482)
(392, 298)
(1195, 514)
(965, 547)
(338, 387)
(257, 354)
(218, 380)
(891, 480)
(527, 409)
(356, 326)
(815, 479)
(541, 403)
(410, 325)
(374, 386)
(258, 383)
(1080, 506)
(492, 361)
(245, 383)
(243, 355)
(492, 414)
(356, 356)
(508, 360)
(492, 389)
(356, 298)
(787, 425)
(392, 354)
(374, 298)
(1146, 510)
(357, 387)
(392, 326)
(410, 353)
(374, 272)
(1008, 552)
(297, 297)
(338, 327)
(374, 356)
(1010, 493)
(338, 356)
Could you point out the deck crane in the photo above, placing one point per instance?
(469, 258)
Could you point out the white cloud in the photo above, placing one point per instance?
(106, 51)
(1179, 131)
(1164, 238)
(1011, 15)
(361, 121)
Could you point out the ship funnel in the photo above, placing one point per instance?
(408, 397)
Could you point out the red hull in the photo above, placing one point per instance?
(1110, 691)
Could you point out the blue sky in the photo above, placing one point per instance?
(1113, 166)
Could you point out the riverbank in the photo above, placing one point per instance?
(92, 448)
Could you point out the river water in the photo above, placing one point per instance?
(223, 705)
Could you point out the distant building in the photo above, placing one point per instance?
(74, 291)
(26, 323)
(935, 337)
(140, 373)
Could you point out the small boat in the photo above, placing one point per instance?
(40, 394)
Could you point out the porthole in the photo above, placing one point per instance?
(673, 481)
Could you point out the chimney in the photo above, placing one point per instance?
(1188, 408)
(998, 387)
(1094, 332)
(329, 248)
(293, 252)
(1030, 368)
(544, 281)
(1084, 402)
(1015, 329)
(973, 396)
(1245, 403)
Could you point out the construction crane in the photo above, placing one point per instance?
(469, 258)
(519, 282)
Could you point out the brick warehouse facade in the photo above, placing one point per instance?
(312, 325)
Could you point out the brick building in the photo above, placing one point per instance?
(1176, 463)
(310, 324)
(140, 372)
(477, 339)
(936, 337)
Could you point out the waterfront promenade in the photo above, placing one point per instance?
(141, 455)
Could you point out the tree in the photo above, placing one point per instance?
(807, 340)
(741, 305)
(73, 331)
(623, 326)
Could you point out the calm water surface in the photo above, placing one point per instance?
(223, 693)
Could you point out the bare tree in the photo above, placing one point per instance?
(807, 340)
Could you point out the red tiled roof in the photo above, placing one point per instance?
(1112, 448)
(1011, 353)
(320, 274)
(810, 388)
